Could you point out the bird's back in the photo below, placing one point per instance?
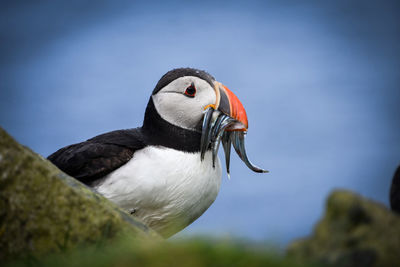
(91, 160)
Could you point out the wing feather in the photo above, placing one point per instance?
(93, 159)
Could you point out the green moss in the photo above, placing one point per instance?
(354, 232)
(191, 253)
(43, 210)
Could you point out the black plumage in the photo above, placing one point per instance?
(395, 192)
(93, 159)
(158, 131)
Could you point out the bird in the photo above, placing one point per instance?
(167, 172)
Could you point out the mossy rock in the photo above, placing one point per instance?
(354, 232)
(43, 210)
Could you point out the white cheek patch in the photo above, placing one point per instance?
(180, 110)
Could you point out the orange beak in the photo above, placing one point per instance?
(228, 103)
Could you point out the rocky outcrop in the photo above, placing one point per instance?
(43, 210)
(354, 232)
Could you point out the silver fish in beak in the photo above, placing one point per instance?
(225, 121)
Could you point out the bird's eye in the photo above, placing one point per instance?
(190, 91)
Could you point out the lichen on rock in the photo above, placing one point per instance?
(354, 232)
(43, 210)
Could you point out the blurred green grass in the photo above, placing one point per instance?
(193, 252)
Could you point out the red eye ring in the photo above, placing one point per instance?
(190, 91)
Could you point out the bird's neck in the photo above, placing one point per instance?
(160, 132)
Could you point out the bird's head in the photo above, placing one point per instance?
(193, 100)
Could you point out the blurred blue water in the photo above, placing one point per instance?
(320, 83)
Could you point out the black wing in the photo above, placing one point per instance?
(395, 192)
(96, 157)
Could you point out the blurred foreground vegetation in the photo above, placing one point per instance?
(188, 252)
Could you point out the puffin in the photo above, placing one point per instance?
(167, 172)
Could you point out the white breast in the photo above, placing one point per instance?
(167, 189)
